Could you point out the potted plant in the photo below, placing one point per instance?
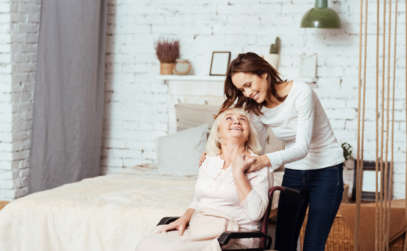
(347, 154)
(167, 53)
(273, 57)
(348, 171)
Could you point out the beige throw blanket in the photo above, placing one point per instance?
(105, 213)
(201, 235)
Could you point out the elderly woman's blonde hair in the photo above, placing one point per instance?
(213, 146)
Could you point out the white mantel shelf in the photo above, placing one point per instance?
(191, 78)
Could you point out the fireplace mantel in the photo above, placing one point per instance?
(191, 89)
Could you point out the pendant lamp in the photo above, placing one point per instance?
(321, 17)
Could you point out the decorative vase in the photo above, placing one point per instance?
(349, 164)
(182, 67)
(166, 68)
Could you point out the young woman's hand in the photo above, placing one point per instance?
(202, 159)
(259, 163)
(180, 224)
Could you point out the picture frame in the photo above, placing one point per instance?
(368, 192)
(219, 63)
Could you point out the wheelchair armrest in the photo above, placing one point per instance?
(224, 238)
(167, 220)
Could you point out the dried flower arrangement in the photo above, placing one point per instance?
(167, 51)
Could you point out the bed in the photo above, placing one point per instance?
(110, 212)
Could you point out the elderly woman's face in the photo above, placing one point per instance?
(234, 125)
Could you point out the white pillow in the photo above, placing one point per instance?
(191, 115)
(179, 154)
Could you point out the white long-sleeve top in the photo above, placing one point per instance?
(215, 190)
(301, 123)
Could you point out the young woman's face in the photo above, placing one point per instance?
(251, 85)
(234, 125)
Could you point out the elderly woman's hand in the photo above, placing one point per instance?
(259, 163)
(180, 224)
(241, 163)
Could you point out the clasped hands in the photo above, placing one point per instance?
(246, 163)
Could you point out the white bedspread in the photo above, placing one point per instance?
(105, 213)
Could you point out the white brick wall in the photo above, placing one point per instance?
(19, 26)
(6, 175)
(136, 102)
(25, 20)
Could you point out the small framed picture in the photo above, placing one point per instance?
(369, 181)
(219, 63)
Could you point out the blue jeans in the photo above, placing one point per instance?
(322, 190)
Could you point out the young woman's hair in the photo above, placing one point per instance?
(213, 146)
(250, 63)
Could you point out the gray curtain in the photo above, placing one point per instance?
(69, 93)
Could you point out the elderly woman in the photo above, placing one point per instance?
(227, 198)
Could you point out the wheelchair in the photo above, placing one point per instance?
(288, 215)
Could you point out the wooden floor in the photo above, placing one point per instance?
(3, 204)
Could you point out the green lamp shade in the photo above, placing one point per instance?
(321, 18)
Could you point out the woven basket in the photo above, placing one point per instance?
(341, 238)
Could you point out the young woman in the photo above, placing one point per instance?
(227, 198)
(312, 157)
